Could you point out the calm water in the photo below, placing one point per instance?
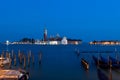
(61, 63)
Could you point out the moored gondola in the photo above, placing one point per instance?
(105, 60)
(85, 63)
(111, 62)
(99, 62)
(114, 61)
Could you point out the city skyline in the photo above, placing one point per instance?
(86, 20)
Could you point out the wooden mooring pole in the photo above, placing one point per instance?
(14, 60)
(24, 61)
(40, 58)
(33, 59)
(29, 59)
(10, 61)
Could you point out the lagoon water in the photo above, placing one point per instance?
(60, 62)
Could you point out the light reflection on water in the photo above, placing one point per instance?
(61, 62)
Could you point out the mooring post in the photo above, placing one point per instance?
(28, 59)
(40, 58)
(6, 55)
(20, 57)
(2, 55)
(15, 60)
(24, 61)
(33, 60)
(29, 53)
(10, 61)
(12, 52)
(110, 66)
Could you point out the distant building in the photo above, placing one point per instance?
(110, 42)
(53, 42)
(37, 41)
(45, 35)
(64, 41)
(74, 41)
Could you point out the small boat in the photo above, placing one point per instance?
(85, 63)
(14, 75)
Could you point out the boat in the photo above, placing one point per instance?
(13, 75)
(98, 60)
(85, 63)
(110, 62)
(114, 61)
(101, 63)
(104, 60)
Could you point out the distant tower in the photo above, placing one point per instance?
(45, 34)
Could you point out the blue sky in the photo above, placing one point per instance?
(82, 19)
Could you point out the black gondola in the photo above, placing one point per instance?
(114, 61)
(85, 63)
(110, 61)
(101, 63)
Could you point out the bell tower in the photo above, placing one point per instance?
(45, 35)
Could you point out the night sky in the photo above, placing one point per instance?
(79, 19)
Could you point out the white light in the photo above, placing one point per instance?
(7, 42)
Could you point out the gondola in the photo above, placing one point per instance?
(85, 63)
(114, 61)
(110, 62)
(101, 63)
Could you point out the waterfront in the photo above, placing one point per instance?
(59, 62)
